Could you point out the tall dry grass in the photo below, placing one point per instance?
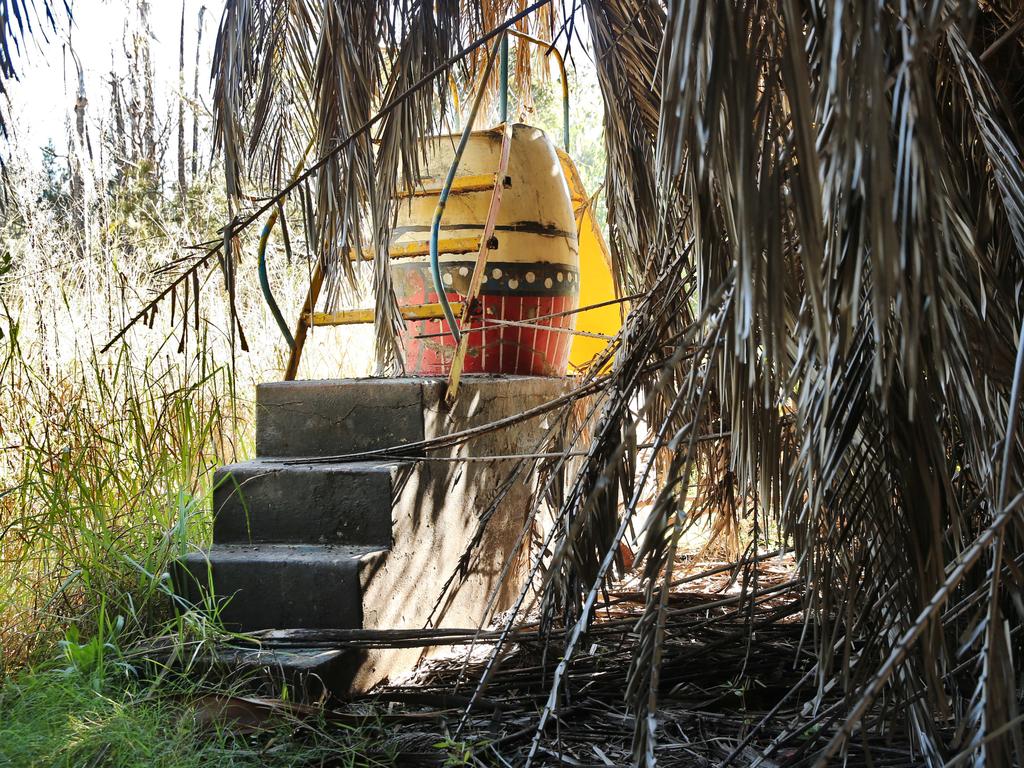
(106, 459)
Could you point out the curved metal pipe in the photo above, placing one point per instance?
(261, 261)
(268, 295)
(503, 82)
(560, 60)
(442, 201)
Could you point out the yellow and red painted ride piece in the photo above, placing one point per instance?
(481, 265)
(531, 272)
(597, 283)
(545, 255)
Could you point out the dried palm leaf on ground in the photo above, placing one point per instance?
(820, 208)
(724, 698)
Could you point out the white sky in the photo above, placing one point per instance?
(42, 102)
(99, 36)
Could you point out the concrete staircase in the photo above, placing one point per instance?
(342, 544)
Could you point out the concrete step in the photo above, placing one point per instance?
(337, 416)
(269, 501)
(267, 586)
(368, 544)
(309, 673)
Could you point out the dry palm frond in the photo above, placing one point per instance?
(479, 17)
(20, 22)
(431, 35)
(232, 77)
(626, 36)
(853, 182)
(286, 72)
(818, 147)
(820, 204)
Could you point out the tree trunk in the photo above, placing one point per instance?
(120, 142)
(77, 151)
(148, 99)
(182, 183)
(195, 98)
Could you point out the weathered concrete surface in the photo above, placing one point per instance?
(267, 586)
(338, 416)
(439, 511)
(267, 500)
(435, 509)
(309, 673)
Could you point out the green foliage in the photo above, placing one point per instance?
(459, 753)
(56, 180)
(50, 718)
(586, 127)
(112, 471)
(136, 211)
(93, 659)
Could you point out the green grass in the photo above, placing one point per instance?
(106, 465)
(63, 718)
(109, 483)
(97, 703)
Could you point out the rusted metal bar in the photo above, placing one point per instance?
(315, 284)
(364, 316)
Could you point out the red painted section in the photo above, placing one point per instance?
(493, 348)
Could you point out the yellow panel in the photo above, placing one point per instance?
(422, 248)
(476, 183)
(534, 195)
(596, 282)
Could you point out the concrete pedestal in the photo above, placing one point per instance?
(347, 541)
